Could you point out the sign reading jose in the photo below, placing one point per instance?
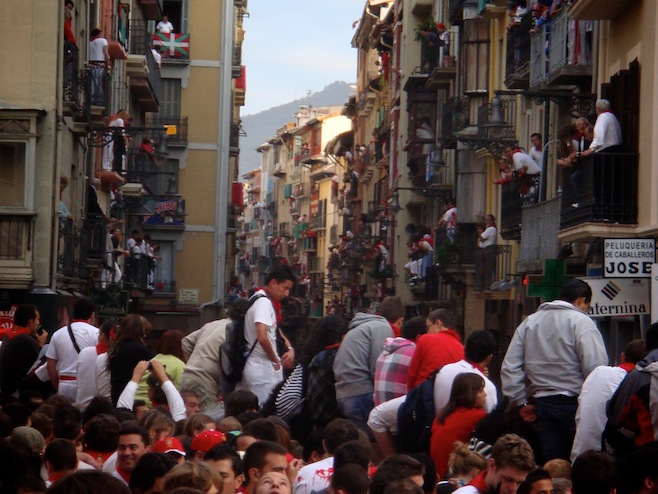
(628, 257)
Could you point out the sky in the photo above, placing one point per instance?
(295, 46)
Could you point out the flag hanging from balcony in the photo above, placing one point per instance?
(177, 45)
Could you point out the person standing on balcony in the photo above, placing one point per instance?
(524, 165)
(607, 131)
(488, 244)
(164, 26)
(70, 52)
(536, 151)
(99, 59)
(449, 221)
(551, 354)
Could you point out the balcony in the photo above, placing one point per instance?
(96, 83)
(457, 7)
(145, 80)
(539, 236)
(605, 188)
(96, 229)
(319, 222)
(177, 139)
(493, 266)
(570, 52)
(517, 61)
(514, 195)
(72, 250)
(569, 57)
(16, 250)
(422, 7)
(137, 271)
(455, 118)
(309, 244)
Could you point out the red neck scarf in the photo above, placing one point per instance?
(396, 330)
(479, 483)
(627, 366)
(124, 475)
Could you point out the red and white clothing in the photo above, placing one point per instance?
(446, 376)
(433, 351)
(458, 426)
(62, 350)
(392, 369)
(524, 162)
(314, 476)
(86, 375)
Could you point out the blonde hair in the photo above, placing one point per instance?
(462, 460)
(195, 474)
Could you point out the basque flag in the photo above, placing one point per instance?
(177, 44)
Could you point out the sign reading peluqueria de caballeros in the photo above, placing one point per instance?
(628, 257)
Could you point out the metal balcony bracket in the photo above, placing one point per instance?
(574, 104)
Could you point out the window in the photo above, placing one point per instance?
(475, 55)
(12, 174)
(170, 101)
(164, 270)
(178, 13)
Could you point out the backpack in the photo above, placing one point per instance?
(321, 390)
(415, 417)
(233, 352)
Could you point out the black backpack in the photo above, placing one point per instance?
(415, 417)
(233, 352)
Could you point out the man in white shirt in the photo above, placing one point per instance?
(66, 344)
(316, 476)
(164, 26)
(607, 130)
(523, 164)
(263, 370)
(478, 352)
(537, 151)
(86, 370)
(99, 59)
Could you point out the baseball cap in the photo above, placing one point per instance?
(27, 440)
(168, 445)
(206, 440)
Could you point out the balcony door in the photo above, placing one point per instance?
(623, 92)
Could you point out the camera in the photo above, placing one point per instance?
(40, 330)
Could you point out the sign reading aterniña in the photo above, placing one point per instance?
(621, 297)
(628, 257)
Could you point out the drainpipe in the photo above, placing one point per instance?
(223, 160)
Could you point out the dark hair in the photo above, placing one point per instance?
(338, 432)
(225, 452)
(98, 405)
(394, 467)
(255, 455)
(17, 412)
(170, 343)
(106, 329)
(593, 472)
(129, 429)
(83, 308)
(429, 476)
(536, 134)
(313, 444)
(512, 450)
(635, 351)
(651, 337)
(534, 476)
(240, 401)
(68, 2)
(102, 433)
(413, 328)
(196, 423)
(575, 289)
(89, 482)
(131, 328)
(350, 478)
(95, 32)
(352, 452)
(40, 422)
(640, 465)
(24, 314)
(325, 332)
(479, 345)
(281, 273)
(123, 415)
(262, 429)
(446, 316)
(67, 423)
(150, 467)
(61, 455)
(392, 309)
(463, 393)
(238, 308)
(403, 486)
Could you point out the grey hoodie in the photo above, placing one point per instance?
(354, 366)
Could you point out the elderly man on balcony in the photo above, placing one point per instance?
(607, 131)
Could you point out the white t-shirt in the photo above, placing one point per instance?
(261, 312)
(521, 159)
(61, 347)
(537, 155)
(446, 376)
(164, 27)
(103, 376)
(314, 477)
(86, 380)
(591, 416)
(97, 49)
(607, 132)
(490, 237)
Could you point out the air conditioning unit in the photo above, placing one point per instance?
(132, 190)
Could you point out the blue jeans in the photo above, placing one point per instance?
(556, 425)
(356, 409)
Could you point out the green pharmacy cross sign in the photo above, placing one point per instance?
(549, 285)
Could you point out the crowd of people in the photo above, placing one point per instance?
(382, 404)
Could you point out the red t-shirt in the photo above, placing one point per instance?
(433, 351)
